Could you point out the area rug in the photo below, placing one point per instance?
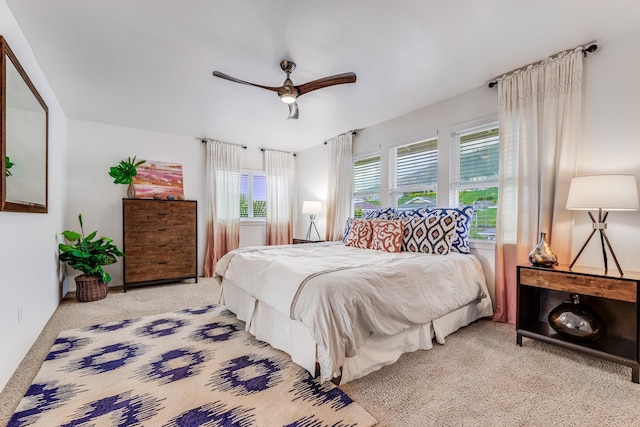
(195, 367)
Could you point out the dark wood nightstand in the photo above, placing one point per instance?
(613, 298)
(299, 241)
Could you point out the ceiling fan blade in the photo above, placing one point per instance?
(293, 111)
(233, 79)
(338, 79)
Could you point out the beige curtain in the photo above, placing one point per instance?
(280, 171)
(539, 111)
(340, 186)
(223, 204)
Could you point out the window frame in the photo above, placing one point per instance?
(250, 214)
(455, 184)
(394, 189)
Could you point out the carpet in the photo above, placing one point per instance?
(194, 367)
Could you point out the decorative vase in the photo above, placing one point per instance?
(542, 255)
(131, 191)
(576, 321)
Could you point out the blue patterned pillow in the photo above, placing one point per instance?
(386, 213)
(460, 242)
(411, 213)
(347, 228)
(429, 234)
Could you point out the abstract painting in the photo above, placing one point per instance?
(158, 180)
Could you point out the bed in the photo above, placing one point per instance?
(349, 310)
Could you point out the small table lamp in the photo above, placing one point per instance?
(603, 193)
(312, 209)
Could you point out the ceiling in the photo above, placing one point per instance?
(148, 63)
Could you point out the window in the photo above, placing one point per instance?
(366, 184)
(475, 168)
(413, 174)
(253, 195)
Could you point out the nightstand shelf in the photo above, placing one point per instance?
(300, 241)
(614, 298)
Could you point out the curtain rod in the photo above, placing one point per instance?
(204, 140)
(279, 151)
(352, 132)
(590, 49)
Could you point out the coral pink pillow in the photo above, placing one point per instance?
(387, 235)
(360, 234)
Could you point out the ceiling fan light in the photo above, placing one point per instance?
(287, 98)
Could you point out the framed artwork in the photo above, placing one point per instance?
(158, 180)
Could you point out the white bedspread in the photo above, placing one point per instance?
(344, 294)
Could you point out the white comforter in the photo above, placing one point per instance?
(344, 294)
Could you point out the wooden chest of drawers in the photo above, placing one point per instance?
(159, 241)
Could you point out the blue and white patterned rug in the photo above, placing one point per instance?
(195, 367)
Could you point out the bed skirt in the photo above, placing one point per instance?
(292, 337)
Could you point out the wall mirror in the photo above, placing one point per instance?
(23, 139)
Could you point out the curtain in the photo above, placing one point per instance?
(340, 186)
(280, 169)
(223, 204)
(539, 110)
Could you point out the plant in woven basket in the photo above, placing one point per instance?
(89, 254)
(124, 172)
(8, 164)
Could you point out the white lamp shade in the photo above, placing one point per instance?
(608, 192)
(311, 208)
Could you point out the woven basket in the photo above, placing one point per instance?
(90, 288)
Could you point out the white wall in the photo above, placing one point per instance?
(29, 273)
(94, 147)
(610, 143)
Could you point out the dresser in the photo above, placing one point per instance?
(613, 298)
(159, 241)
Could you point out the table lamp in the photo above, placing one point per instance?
(312, 209)
(603, 193)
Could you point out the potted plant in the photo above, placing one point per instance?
(8, 164)
(124, 172)
(88, 255)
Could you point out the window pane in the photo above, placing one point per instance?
(479, 156)
(259, 196)
(417, 165)
(366, 176)
(244, 195)
(416, 199)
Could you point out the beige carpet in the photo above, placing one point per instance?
(478, 378)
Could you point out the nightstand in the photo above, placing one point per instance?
(299, 241)
(613, 298)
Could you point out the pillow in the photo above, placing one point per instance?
(460, 241)
(387, 235)
(360, 234)
(347, 227)
(431, 234)
(412, 213)
(386, 213)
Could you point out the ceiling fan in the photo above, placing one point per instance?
(288, 92)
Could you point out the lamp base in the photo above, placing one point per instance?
(312, 225)
(600, 226)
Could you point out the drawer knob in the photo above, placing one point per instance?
(571, 276)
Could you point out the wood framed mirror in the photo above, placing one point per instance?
(24, 134)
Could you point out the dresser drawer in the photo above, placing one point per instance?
(606, 287)
(160, 236)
